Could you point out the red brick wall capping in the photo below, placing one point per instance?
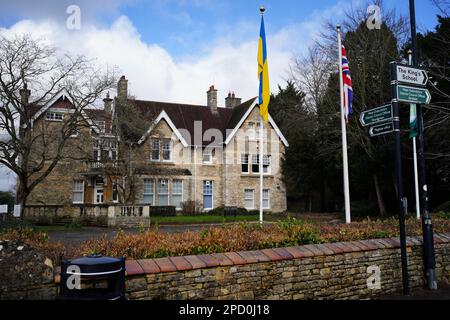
(172, 264)
(160, 265)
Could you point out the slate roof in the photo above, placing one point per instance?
(184, 116)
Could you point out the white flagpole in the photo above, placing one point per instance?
(344, 134)
(261, 155)
(416, 174)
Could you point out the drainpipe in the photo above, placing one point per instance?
(195, 177)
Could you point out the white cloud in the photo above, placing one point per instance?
(154, 74)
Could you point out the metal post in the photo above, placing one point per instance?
(427, 228)
(398, 172)
(414, 143)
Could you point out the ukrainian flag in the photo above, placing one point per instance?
(263, 74)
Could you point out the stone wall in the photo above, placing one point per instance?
(325, 271)
(25, 273)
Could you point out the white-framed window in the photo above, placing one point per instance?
(163, 192)
(177, 193)
(166, 150)
(251, 132)
(249, 198)
(207, 155)
(149, 193)
(266, 199)
(244, 163)
(155, 149)
(255, 163)
(97, 149)
(267, 161)
(78, 191)
(54, 116)
(115, 192)
(257, 129)
(208, 192)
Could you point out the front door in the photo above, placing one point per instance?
(98, 192)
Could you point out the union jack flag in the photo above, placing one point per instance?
(348, 88)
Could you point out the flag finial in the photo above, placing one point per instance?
(262, 9)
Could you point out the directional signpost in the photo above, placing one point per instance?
(409, 75)
(376, 115)
(413, 95)
(380, 129)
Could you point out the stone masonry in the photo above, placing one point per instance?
(322, 271)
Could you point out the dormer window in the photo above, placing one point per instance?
(166, 150)
(54, 116)
(155, 149)
(207, 155)
(253, 130)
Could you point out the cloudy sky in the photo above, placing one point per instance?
(173, 50)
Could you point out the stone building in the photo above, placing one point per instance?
(206, 155)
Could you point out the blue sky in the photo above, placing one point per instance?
(184, 27)
(173, 50)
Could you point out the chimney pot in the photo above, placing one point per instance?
(24, 94)
(231, 101)
(122, 89)
(211, 96)
(107, 104)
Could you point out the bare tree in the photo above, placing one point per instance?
(311, 73)
(369, 51)
(129, 127)
(443, 6)
(31, 73)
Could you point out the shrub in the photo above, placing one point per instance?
(191, 208)
(235, 211)
(163, 211)
(219, 211)
(37, 240)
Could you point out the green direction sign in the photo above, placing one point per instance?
(380, 129)
(376, 115)
(413, 95)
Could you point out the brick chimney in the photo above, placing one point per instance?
(107, 104)
(24, 94)
(211, 95)
(231, 101)
(122, 89)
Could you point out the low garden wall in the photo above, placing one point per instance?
(344, 270)
(89, 215)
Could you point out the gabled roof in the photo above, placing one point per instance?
(61, 97)
(240, 118)
(184, 116)
(61, 94)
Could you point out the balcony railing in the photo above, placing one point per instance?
(102, 165)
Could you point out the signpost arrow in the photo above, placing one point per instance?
(376, 115)
(380, 129)
(409, 75)
(413, 95)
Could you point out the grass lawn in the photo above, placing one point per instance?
(203, 219)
